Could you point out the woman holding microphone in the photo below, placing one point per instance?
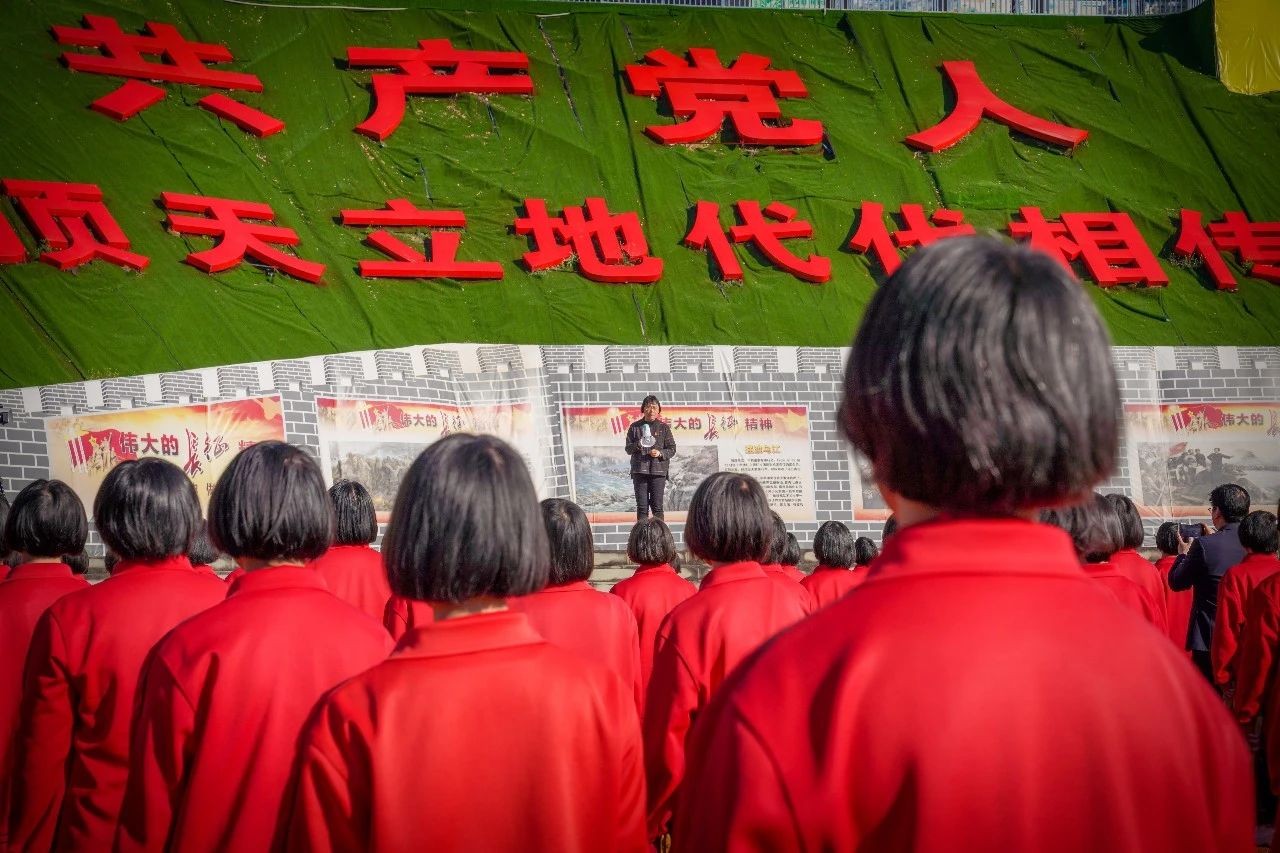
(651, 446)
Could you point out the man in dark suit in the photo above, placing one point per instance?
(1201, 563)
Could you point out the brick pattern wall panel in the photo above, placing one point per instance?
(755, 360)
(1195, 358)
(820, 360)
(441, 362)
(556, 358)
(1259, 357)
(392, 362)
(500, 359)
(293, 372)
(24, 453)
(626, 359)
(691, 359)
(124, 388)
(174, 385)
(338, 368)
(234, 380)
(11, 400)
(54, 397)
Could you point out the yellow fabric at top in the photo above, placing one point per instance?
(1248, 40)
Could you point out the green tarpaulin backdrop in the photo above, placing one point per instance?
(1164, 134)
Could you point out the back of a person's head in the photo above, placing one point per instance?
(833, 545)
(466, 524)
(980, 381)
(46, 519)
(1167, 538)
(651, 543)
(728, 519)
(270, 504)
(791, 555)
(201, 551)
(78, 563)
(1258, 533)
(778, 540)
(1093, 526)
(890, 528)
(1230, 500)
(4, 516)
(146, 509)
(864, 551)
(1130, 520)
(109, 561)
(569, 537)
(354, 520)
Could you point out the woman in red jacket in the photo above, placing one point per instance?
(655, 588)
(834, 546)
(477, 734)
(351, 569)
(1177, 604)
(72, 749)
(775, 567)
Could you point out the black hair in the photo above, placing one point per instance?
(778, 542)
(1230, 500)
(355, 521)
(78, 563)
(109, 560)
(833, 545)
(146, 509)
(1130, 521)
(728, 519)
(651, 543)
(890, 528)
(4, 516)
(1167, 538)
(650, 399)
(466, 523)
(270, 504)
(792, 554)
(46, 520)
(569, 537)
(201, 552)
(980, 381)
(864, 551)
(1093, 526)
(1258, 533)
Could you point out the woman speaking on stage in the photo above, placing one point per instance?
(651, 446)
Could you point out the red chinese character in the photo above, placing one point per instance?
(766, 236)
(872, 235)
(706, 93)
(169, 445)
(711, 433)
(1254, 243)
(974, 101)
(610, 247)
(766, 423)
(410, 263)
(73, 221)
(1108, 244)
(122, 54)
(236, 238)
(192, 466)
(149, 444)
(680, 424)
(435, 68)
(753, 424)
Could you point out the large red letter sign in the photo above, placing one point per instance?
(1108, 244)
(236, 238)
(872, 235)
(72, 220)
(973, 101)
(1255, 243)
(706, 93)
(435, 68)
(765, 235)
(409, 262)
(592, 233)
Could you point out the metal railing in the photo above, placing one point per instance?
(1093, 8)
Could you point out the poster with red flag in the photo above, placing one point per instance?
(200, 438)
(1177, 454)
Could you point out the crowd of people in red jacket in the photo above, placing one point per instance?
(1007, 674)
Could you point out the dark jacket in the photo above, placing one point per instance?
(641, 461)
(1201, 569)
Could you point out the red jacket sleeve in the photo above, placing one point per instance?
(163, 726)
(674, 696)
(42, 742)
(325, 816)
(1257, 654)
(1226, 629)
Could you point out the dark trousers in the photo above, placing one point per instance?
(649, 491)
(1204, 663)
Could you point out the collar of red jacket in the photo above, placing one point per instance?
(1006, 546)
(464, 634)
(1254, 559)
(1104, 569)
(654, 567)
(821, 568)
(276, 577)
(40, 571)
(730, 572)
(178, 563)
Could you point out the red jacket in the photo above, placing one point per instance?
(594, 624)
(792, 572)
(1233, 593)
(1127, 593)
(1142, 571)
(71, 757)
(355, 574)
(208, 571)
(232, 575)
(477, 734)
(24, 596)
(737, 609)
(783, 575)
(1177, 604)
(1257, 690)
(829, 584)
(969, 699)
(651, 593)
(220, 706)
(401, 614)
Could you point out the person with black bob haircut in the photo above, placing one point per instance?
(980, 388)
(201, 552)
(1202, 563)
(738, 607)
(571, 613)
(1127, 560)
(792, 555)
(88, 650)
(46, 522)
(890, 528)
(1258, 538)
(864, 551)
(836, 550)
(1177, 605)
(503, 706)
(218, 767)
(78, 563)
(654, 589)
(352, 569)
(774, 566)
(651, 445)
